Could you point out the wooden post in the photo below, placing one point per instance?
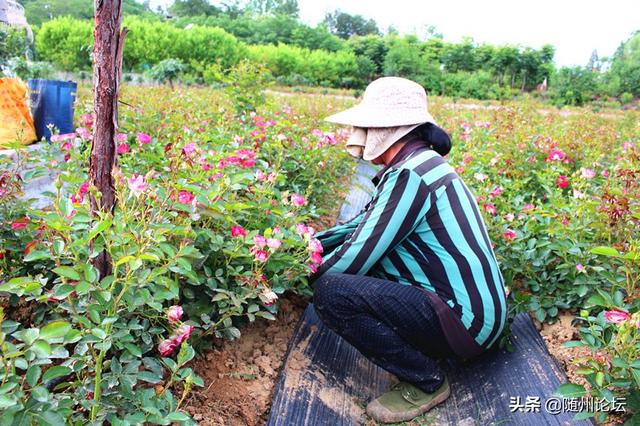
(107, 68)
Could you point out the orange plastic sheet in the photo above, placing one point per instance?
(16, 123)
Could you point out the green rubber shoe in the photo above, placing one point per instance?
(405, 401)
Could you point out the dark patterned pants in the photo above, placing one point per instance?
(392, 324)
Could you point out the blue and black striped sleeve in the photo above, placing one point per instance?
(333, 237)
(402, 199)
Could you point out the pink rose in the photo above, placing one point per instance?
(259, 241)
(580, 267)
(87, 120)
(183, 333)
(121, 137)
(20, 223)
(190, 149)
(166, 347)
(496, 192)
(527, 207)
(490, 208)
(588, 173)
(123, 148)
(84, 133)
(238, 231)
(261, 255)
(509, 235)
(316, 258)
(556, 155)
(274, 243)
(143, 138)
(301, 229)
(297, 200)
(185, 197)
(616, 316)
(175, 313)
(480, 176)
(268, 297)
(562, 181)
(84, 188)
(137, 184)
(315, 246)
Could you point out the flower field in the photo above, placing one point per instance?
(216, 211)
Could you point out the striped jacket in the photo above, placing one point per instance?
(423, 228)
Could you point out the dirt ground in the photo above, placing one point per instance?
(240, 375)
(558, 333)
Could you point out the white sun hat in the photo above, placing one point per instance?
(388, 102)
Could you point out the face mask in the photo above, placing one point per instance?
(355, 143)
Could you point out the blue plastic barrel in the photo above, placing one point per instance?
(52, 103)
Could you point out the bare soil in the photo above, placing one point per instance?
(240, 375)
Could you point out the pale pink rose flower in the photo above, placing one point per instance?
(588, 173)
(274, 243)
(259, 241)
(175, 313)
(137, 184)
(268, 297)
(480, 176)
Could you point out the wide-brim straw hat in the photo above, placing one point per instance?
(388, 102)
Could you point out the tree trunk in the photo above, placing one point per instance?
(107, 68)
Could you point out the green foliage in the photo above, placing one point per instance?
(40, 11)
(574, 86)
(13, 43)
(29, 69)
(318, 67)
(67, 43)
(103, 349)
(193, 8)
(345, 25)
(273, 7)
(167, 71)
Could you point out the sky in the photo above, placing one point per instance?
(574, 27)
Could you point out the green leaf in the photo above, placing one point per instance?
(149, 377)
(572, 344)
(570, 390)
(33, 374)
(37, 255)
(605, 251)
(55, 372)
(41, 348)
(99, 333)
(177, 416)
(135, 350)
(7, 401)
(55, 329)
(99, 227)
(67, 272)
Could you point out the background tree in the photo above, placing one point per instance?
(193, 8)
(274, 7)
(39, 11)
(345, 25)
(625, 66)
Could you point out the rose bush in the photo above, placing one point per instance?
(211, 225)
(215, 220)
